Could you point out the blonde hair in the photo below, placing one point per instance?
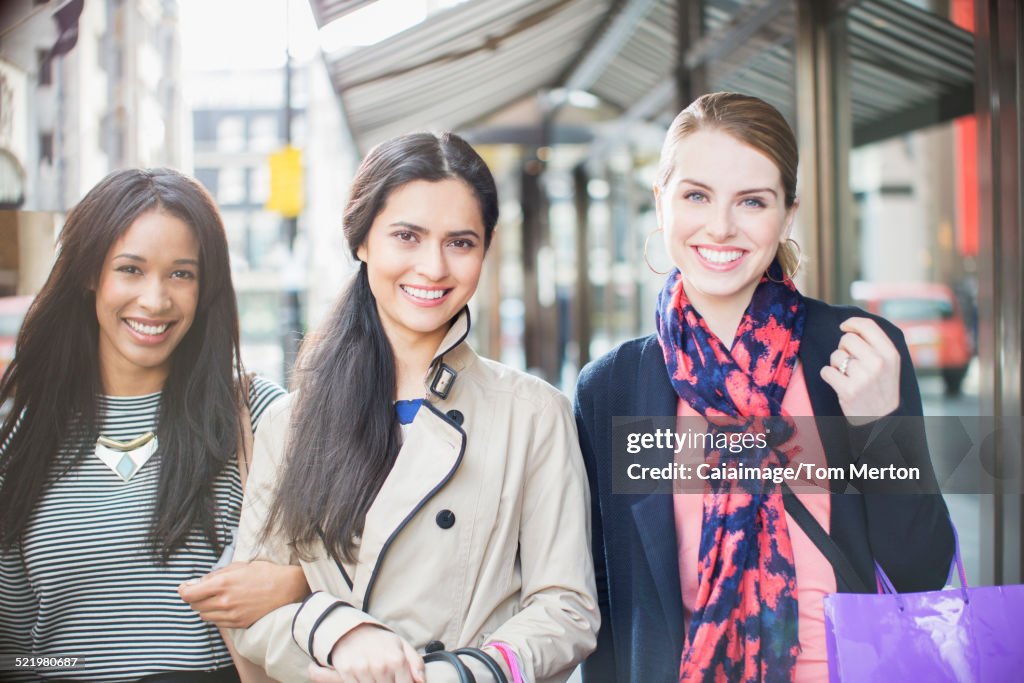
(753, 122)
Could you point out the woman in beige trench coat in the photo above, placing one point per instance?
(434, 499)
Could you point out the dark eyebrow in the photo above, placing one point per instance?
(423, 231)
(131, 257)
(410, 226)
(760, 189)
(177, 262)
(741, 192)
(463, 233)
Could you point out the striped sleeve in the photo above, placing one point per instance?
(17, 616)
(262, 392)
(20, 604)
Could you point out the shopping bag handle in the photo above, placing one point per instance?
(489, 664)
(832, 552)
(463, 672)
(885, 584)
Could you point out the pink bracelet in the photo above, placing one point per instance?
(511, 661)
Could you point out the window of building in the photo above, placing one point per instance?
(235, 226)
(231, 134)
(299, 130)
(116, 63)
(45, 67)
(204, 130)
(264, 133)
(259, 183)
(231, 186)
(46, 148)
(208, 178)
(264, 240)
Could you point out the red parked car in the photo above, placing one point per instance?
(931, 320)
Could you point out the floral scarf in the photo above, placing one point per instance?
(744, 624)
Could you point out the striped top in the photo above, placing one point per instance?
(84, 583)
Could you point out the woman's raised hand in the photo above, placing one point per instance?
(237, 595)
(864, 371)
(370, 654)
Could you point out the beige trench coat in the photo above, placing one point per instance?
(480, 533)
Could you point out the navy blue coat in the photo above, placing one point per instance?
(634, 538)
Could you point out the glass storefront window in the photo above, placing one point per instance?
(907, 227)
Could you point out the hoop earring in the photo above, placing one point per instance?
(647, 260)
(788, 277)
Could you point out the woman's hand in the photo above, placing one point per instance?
(370, 654)
(237, 595)
(864, 371)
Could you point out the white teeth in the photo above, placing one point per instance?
(424, 293)
(151, 330)
(718, 256)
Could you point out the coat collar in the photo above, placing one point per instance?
(457, 334)
(451, 357)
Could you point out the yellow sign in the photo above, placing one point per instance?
(286, 196)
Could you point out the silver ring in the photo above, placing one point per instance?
(844, 365)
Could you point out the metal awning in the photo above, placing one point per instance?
(908, 68)
(461, 64)
(326, 11)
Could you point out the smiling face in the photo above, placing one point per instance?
(146, 298)
(724, 215)
(424, 253)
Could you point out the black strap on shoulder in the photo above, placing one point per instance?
(832, 552)
(465, 675)
(485, 659)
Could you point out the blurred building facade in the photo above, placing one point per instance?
(238, 121)
(88, 87)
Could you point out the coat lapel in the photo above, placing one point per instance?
(429, 457)
(654, 514)
(821, 337)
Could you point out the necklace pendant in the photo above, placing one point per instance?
(126, 458)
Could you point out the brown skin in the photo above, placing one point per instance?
(238, 595)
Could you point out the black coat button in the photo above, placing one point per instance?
(433, 646)
(456, 416)
(445, 519)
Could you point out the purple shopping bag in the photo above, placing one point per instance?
(968, 635)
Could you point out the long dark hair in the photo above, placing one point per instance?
(54, 379)
(344, 432)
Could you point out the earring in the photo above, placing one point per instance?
(788, 277)
(647, 260)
